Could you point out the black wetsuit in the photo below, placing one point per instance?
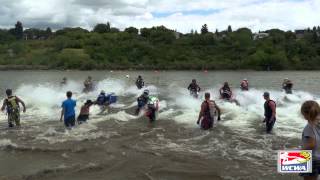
(225, 93)
(142, 101)
(139, 83)
(268, 116)
(194, 88)
(288, 87)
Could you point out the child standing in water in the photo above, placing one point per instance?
(84, 112)
(311, 136)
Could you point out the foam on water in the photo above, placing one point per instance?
(44, 100)
(245, 117)
(7, 142)
(87, 131)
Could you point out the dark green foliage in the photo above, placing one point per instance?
(160, 48)
(132, 30)
(102, 28)
(204, 29)
(17, 31)
(229, 29)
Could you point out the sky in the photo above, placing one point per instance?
(180, 15)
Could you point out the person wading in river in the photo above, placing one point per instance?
(11, 103)
(209, 111)
(68, 111)
(269, 112)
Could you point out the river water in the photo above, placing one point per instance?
(119, 145)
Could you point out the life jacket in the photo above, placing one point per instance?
(139, 83)
(102, 99)
(267, 109)
(193, 87)
(142, 101)
(225, 93)
(12, 104)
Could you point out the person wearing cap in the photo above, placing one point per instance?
(269, 112)
(11, 104)
(244, 85)
(142, 101)
(84, 112)
(194, 88)
(209, 111)
(139, 82)
(287, 86)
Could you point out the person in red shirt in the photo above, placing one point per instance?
(84, 112)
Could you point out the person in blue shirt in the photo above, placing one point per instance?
(68, 111)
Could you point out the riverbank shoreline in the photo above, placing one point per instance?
(43, 68)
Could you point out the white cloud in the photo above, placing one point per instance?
(176, 14)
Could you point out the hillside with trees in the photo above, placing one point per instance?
(106, 47)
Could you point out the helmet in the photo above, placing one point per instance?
(146, 92)
(245, 79)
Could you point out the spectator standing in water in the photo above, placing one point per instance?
(68, 111)
(11, 103)
(311, 137)
(269, 112)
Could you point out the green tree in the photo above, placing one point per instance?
(102, 28)
(145, 32)
(18, 30)
(114, 30)
(229, 29)
(48, 32)
(132, 30)
(204, 29)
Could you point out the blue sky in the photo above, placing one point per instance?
(182, 15)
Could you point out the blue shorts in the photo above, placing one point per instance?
(70, 121)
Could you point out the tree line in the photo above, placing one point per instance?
(107, 47)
